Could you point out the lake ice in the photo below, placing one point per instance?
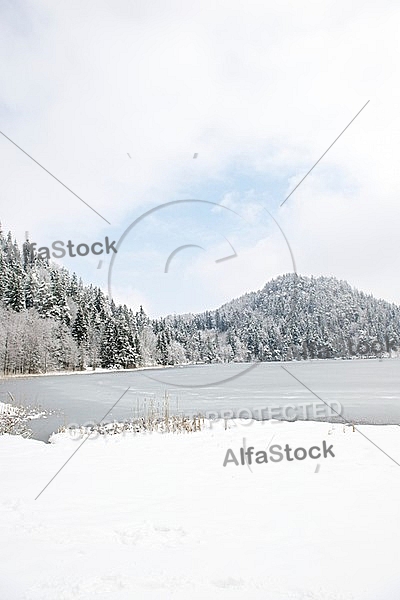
(367, 390)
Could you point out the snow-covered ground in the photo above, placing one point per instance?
(157, 517)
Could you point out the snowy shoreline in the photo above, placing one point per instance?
(87, 372)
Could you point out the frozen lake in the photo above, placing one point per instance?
(367, 390)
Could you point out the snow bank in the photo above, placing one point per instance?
(157, 516)
(14, 419)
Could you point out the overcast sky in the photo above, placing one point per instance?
(258, 89)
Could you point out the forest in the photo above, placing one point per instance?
(51, 321)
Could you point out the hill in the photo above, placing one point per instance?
(297, 317)
(51, 321)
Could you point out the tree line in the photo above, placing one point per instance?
(51, 321)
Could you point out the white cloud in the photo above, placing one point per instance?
(255, 88)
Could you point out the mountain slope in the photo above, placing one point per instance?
(301, 317)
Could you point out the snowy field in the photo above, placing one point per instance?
(157, 516)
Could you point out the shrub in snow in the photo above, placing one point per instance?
(14, 419)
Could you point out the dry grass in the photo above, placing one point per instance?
(155, 417)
